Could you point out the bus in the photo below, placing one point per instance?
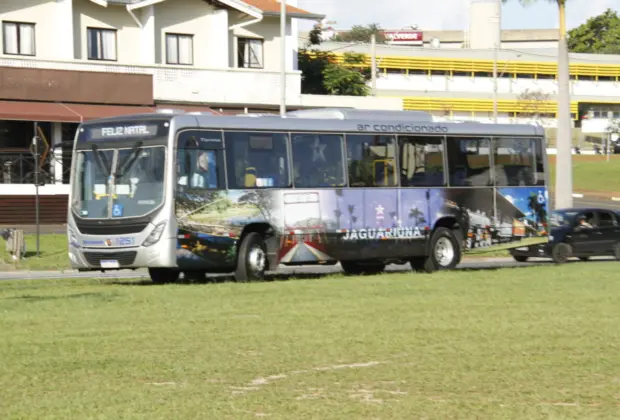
(194, 193)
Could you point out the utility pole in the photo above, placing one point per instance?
(283, 58)
(495, 54)
(36, 154)
(373, 63)
(564, 157)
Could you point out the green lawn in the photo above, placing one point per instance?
(53, 254)
(526, 343)
(592, 173)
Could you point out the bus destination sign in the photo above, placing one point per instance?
(123, 131)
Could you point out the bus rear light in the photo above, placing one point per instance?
(155, 235)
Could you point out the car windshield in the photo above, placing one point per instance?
(559, 218)
(137, 189)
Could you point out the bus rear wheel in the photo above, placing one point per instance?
(445, 252)
(161, 275)
(251, 259)
(356, 268)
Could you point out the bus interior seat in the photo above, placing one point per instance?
(250, 177)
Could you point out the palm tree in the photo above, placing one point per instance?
(564, 169)
(353, 219)
(338, 212)
(415, 214)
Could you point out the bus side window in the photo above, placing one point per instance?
(421, 161)
(257, 160)
(518, 162)
(469, 161)
(197, 166)
(372, 160)
(318, 160)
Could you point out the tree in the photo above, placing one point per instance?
(323, 75)
(564, 157)
(531, 103)
(361, 33)
(599, 35)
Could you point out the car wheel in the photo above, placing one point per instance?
(444, 251)
(520, 258)
(584, 258)
(162, 275)
(251, 259)
(560, 253)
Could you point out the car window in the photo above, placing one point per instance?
(590, 218)
(606, 219)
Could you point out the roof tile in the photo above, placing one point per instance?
(273, 6)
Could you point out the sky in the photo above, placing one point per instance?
(450, 14)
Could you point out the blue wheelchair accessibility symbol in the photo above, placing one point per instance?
(117, 210)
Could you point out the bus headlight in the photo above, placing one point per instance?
(155, 235)
(72, 238)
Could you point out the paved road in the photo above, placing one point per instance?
(283, 272)
(597, 203)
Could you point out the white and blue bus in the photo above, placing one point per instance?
(195, 193)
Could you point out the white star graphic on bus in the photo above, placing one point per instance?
(317, 151)
(379, 209)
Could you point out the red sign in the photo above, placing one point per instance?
(401, 37)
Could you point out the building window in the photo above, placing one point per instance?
(101, 44)
(179, 49)
(18, 38)
(250, 53)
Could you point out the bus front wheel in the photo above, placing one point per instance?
(251, 259)
(444, 252)
(161, 275)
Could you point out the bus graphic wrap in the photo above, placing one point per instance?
(330, 225)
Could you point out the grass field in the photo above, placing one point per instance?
(592, 173)
(53, 254)
(527, 343)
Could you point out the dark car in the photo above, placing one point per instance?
(581, 233)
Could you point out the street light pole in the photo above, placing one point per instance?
(564, 164)
(283, 57)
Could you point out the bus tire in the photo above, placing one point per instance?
(356, 268)
(251, 258)
(444, 251)
(160, 275)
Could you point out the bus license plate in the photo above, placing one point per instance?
(109, 264)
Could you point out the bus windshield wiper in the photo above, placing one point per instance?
(129, 161)
(101, 160)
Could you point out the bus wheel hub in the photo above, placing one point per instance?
(444, 251)
(256, 260)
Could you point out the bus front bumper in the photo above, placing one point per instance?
(98, 259)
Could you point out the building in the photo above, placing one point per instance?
(67, 61)
(451, 74)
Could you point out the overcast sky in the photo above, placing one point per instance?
(450, 14)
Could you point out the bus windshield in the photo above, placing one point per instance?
(116, 183)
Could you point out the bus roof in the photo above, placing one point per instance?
(333, 120)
